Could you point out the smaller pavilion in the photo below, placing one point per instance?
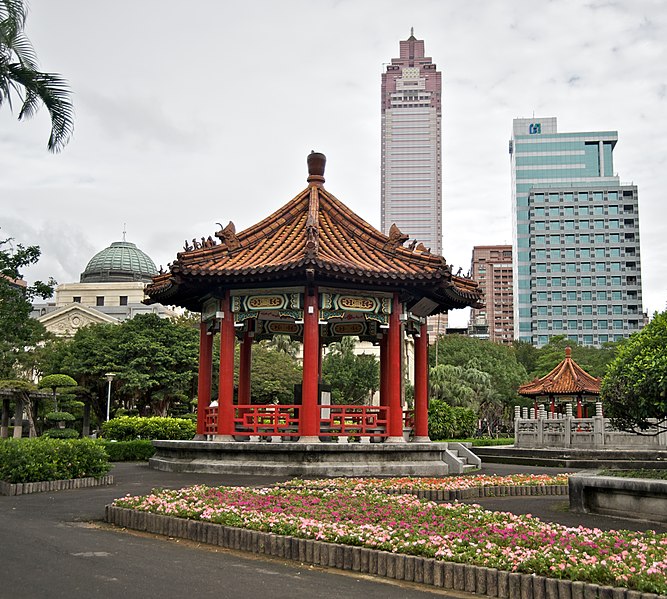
(567, 380)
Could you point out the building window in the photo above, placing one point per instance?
(76, 299)
(123, 300)
(99, 300)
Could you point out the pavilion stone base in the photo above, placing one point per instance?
(301, 459)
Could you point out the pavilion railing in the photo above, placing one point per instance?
(283, 421)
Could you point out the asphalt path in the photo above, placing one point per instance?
(56, 544)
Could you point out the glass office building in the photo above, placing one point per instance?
(577, 265)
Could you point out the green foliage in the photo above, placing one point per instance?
(353, 378)
(497, 361)
(17, 330)
(41, 459)
(129, 428)
(273, 375)
(447, 422)
(155, 361)
(61, 433)
(634, 390)
(138, 450)
(21, 79)
(59, 417)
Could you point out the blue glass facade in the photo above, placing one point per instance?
(575, 237)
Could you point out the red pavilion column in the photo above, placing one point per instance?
(226, 385)
(421, 386)
(245, 361)
(384, 369)
(580, 409)
(204, 377)
(309, 414)
(394, 375)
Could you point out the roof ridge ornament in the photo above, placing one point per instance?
(396, 238)
(316, 164)
(227, 236)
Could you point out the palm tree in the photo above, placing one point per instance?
(19, 75)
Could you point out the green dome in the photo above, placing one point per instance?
(121, 261)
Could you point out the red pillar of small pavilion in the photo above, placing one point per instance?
(309, 417)
(245, 360)
(226, 384)
(580, 409)
(383, 369)
(204, 377)
(421, 386)
(393, 376)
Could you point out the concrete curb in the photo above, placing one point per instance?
(481, 492)
(54, 485)
(482, 581)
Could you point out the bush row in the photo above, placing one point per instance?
(130, 428)
(128, 451)
(40, 459)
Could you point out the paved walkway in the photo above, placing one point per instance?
(56, 545)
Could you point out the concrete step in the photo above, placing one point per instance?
(571, 458)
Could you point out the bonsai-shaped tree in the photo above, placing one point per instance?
(56, 382)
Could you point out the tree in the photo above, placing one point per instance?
(56, 382)
(155, 361)
(273, 375)
(497, 361)
(20, 76)
(634, 390)
(19, 333)
(353, 378)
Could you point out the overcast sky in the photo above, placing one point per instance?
(192, 113)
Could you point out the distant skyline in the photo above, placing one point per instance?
(185, 119)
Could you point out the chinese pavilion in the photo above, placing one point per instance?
(315, 271)
(567, 380)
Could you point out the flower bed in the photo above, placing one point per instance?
(448, 488)
(403, 524)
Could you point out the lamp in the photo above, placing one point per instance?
(110, 377)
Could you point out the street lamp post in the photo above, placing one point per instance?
(110, 376)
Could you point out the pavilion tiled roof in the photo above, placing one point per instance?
(568, 378)
(314, 236)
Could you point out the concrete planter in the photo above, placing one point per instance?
(644, 499)
(482, 581)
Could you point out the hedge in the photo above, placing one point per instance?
(42, 459)
(447, 422)
(130, 428)
(138, 450)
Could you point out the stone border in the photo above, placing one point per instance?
(54, 485)
(488, 582)
(480, 492)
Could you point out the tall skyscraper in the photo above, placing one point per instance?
(491, 267)
(411, 146)
(577, 269)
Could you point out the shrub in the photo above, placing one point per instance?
(60, 417)
(445, 422)
(61, 433)
(129, 428)
(128, 451)
(40, 459)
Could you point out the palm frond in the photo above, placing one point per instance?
(51, 90)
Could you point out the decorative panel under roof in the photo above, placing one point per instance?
(568, 378)
(314, 238)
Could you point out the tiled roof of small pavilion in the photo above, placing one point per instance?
(312, 237)
(568, 378)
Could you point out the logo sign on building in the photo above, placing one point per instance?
(535, 128)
